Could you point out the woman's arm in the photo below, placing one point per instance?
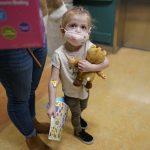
(53, 5)
(86, 66)
(53, 82)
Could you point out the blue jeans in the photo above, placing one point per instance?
(20, 77)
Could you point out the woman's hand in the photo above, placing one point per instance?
(53, 5)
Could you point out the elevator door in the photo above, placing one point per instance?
(137, 24)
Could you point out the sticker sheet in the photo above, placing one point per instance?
(57, 123)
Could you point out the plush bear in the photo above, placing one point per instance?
(95, 55)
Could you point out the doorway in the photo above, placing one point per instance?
(136, 33)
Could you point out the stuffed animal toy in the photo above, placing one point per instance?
(95, 55)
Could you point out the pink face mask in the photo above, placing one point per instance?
(76, 38)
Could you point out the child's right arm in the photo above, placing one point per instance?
(86, 66)
(53, 82)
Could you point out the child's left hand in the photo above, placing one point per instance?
(84, 66)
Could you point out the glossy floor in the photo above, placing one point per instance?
(117, 114)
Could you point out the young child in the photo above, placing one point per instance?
(76, 28)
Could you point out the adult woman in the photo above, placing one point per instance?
(20, 76)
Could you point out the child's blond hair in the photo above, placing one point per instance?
(73, 11)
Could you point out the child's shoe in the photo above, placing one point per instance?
(84, 137)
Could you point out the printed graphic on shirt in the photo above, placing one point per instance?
(73, 65)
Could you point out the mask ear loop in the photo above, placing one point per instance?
(90, 30)
(63, 30)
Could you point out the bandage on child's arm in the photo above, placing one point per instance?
(54, 83)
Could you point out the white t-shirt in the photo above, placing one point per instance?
(67, 73)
